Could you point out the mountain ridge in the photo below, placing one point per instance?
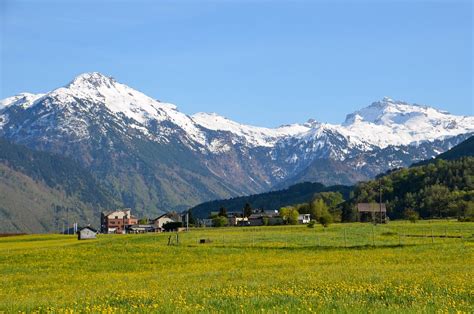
(156, 158)
(120, 98)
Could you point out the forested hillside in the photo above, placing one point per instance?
(439, 189)
(39, 192)
(295, 194)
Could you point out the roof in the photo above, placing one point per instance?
(118, 211)
(167, 215)
(261, 215)
(371, 207)
(87, 227)
(141, 226)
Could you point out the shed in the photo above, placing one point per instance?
(86, 233)
(376, 211)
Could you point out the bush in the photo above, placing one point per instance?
(411, 215)
(289, 215)
(311, 224)
(169, 226)
(220, 221)
(325, 220)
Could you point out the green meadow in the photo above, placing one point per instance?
(426, 266)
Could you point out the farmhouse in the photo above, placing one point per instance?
(86, 233)
(376, 212)
(159, 221)
(117, 221)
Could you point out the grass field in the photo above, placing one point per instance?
(399, 267)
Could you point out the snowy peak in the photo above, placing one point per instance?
(91, 80)
(97, 88)
(388, 112)
(390, 122)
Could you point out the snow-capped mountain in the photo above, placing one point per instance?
(156, 157)
(390, 122)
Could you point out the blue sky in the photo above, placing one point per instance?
(258, 62)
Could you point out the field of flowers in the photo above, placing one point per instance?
(399, 267)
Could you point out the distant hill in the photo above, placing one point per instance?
(299, 193)
(40, 191)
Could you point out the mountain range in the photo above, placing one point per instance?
(151, 157)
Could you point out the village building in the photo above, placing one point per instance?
(142, 228)
(117, 221)
(238, 221)
(86, 233)
(304, 218)
(263, 218)
(206, 222)
(159, 221)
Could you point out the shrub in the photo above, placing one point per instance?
(325, 220)
(172, 225)
(311, 224)
(411, 215)
(289, 215)
(220, 221)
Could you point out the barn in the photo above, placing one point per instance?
(375, 212)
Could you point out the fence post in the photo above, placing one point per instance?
(345, 238)
(373, 236)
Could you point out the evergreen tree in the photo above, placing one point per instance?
(222, 212)
(247, 210)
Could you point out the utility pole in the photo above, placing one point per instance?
(67, 220)
(380, 200)
(123, 224)
(187, 221)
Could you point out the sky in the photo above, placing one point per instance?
(258, 62)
